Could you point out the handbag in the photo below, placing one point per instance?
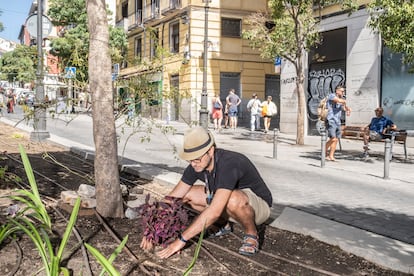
(264, 110)
(217, 105)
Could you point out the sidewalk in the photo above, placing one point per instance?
(346, 203)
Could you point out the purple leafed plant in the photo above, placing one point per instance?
(163, 221)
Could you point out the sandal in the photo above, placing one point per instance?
(226, 229)
(250, 245)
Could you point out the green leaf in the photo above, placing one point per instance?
(29, 229)
(34, 196)
(69, 227)
(116, 252)
(196, 253)
(102, 260)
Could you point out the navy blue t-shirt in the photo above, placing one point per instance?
(379, 124)
(232, 171)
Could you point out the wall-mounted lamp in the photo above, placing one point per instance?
(186, 56)
(185, 19)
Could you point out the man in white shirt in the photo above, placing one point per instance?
(254, 107)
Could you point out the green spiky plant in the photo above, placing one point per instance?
(34, 221)
(107, 263)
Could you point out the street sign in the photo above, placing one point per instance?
(31, 25)
(278, 63)
(115, 71)
(116, 68)
(70, 72)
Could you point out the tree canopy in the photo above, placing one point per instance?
(73, 46)
(20, 64)
(394, 19)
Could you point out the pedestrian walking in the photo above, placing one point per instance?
(217, 112)
(254, 106)
(269, 109)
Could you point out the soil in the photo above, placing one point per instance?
(282, 252)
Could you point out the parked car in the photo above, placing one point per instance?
(29, 98)
(22, 94)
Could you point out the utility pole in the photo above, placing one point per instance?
(204, 94)
(39, 120)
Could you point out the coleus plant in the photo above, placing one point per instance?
(163, 221)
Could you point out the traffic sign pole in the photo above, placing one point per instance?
(39, 121)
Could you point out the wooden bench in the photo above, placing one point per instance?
(357, 133)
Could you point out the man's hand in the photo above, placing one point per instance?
(146, 244)
(174, 247)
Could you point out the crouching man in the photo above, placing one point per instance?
(233, 189)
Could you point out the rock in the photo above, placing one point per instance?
(124, 190)
(68, 196)
(130, 213)
(137, 190)
(86, 190)
(85, 202)
(137, 202)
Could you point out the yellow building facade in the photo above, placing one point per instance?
(177, 71)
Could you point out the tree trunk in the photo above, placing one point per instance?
(108, 192)
(300, 128)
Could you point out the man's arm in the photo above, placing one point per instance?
(343, 102)
(249, 104)
(238, 101)
(204, 220)
(336, 99)
(180, 190)
(391, 126)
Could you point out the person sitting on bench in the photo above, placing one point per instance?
(376, 130)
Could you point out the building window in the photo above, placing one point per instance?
(154, 43)
(230, 27)
(174, 37)
(125, 10)
(175, 94)
(138, 47)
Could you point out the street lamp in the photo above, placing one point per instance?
(204, 95)
(39, 120)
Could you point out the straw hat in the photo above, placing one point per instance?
(197, 141)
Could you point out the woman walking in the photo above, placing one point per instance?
(269, 110)
(217, 112)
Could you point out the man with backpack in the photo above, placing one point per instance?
(336, 103)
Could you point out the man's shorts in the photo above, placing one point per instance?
(259, 205)
(375, 136)
(233, 112)
(333, 129)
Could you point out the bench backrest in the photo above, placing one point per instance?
(357, 132)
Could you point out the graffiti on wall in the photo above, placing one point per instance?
(321, 83)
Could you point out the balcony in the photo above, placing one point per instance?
(169, 6)
(151, 11)
(135, 20)
(123, 24)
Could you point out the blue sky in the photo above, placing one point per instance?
(13, 16)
